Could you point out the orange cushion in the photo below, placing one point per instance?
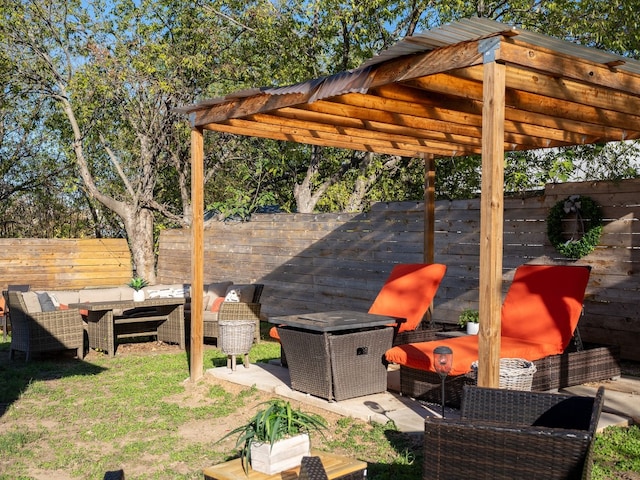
(273, 333)
(544, 303)
(215, 306)
(408, 293)
(465, 352)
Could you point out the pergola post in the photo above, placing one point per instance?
(491, 217)
(429, 209)
(197, 253)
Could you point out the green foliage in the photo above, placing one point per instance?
(588, 220)
(468, 316)
(138, 283)
(276, 421)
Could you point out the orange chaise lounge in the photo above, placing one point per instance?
(406, 295)
(540, 314)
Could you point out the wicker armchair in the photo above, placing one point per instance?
(506, 434)
(230, 311)
(43, 331)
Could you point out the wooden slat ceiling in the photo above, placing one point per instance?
(429, 101)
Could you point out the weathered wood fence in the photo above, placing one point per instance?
(64, 263)
(311, 262)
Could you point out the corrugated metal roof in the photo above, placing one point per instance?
(466, 30)
(475, 28)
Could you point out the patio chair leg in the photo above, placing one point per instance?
(246, 360)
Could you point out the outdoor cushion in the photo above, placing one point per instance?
(538, 318)
(215, 290)
(215, 306)
(31, 302)
(63, 297)
(408, 293)
(245, 292)
(46, 304)
(98, 294)
(465, 351)
(533, 310)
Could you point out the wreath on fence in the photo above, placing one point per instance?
(585, 235)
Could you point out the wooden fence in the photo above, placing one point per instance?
(311, 262)
(64, 263)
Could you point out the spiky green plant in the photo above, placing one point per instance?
(277, 421)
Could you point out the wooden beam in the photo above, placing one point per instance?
(429, 209)
(530, 114)
(197, 254)
(408, 148)
(516, 52)
(491, 224)
(560, 97)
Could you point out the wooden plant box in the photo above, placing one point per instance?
(283, 455)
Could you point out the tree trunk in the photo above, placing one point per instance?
(139, 227)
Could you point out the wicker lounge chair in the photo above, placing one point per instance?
(540, 314)
(34, 332)
(506, 434)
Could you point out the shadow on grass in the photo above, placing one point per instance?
(408, 463)
(16, 375)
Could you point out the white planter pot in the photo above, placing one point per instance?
(138, 296)
(284, 455)
(472, 328)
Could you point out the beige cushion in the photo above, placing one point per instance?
(245, 292)
(99, 294)
(64, 297)
(216, 290)
(31, 301)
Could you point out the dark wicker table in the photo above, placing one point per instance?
(336, 355)
(109, 321)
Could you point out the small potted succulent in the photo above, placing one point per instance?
(138, 283)
(470, 319)
(276, 431)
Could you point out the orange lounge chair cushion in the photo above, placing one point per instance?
(544, 303)
(539, 315)
(465, 352)
(408, 293)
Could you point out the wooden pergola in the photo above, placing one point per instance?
(472, 87)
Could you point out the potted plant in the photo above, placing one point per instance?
(470, 319)
(276, 437)
(138, 283)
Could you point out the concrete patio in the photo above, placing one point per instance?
(622, 398)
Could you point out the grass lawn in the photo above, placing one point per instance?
(63, 418)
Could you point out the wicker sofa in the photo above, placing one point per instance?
(505, 434)
(246, 308)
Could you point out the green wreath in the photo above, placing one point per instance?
(588, 226)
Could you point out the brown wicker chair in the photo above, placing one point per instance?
(506, 434)
(44, 331)
(230, 311)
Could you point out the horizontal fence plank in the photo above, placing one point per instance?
(312, 262)
(64, 263)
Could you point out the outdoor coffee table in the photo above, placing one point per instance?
(106, 323)
(336, 355)
(336, 466)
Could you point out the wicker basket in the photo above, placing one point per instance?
(515, 373)
(236, 336)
